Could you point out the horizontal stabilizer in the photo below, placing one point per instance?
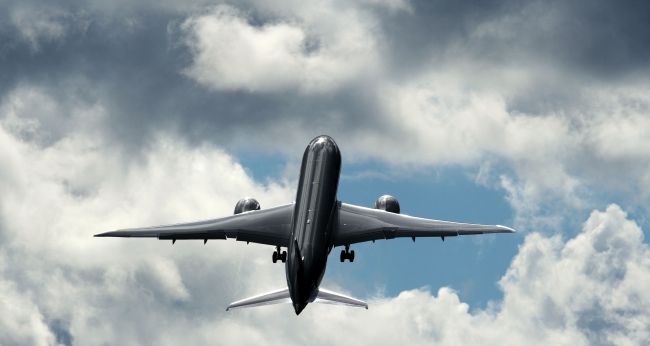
(282, 296)
(328, 297)
(274, 297)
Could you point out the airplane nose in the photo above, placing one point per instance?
(323, 143)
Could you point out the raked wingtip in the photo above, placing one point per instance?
(507, 229)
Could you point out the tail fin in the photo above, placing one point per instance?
(328, 297)
(274, 297)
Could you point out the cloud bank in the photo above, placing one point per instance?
(115, 115)
(546, 101)
(59, 285)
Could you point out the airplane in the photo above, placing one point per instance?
(310, 228)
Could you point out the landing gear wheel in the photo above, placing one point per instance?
(275, 256)
(342, 257)
(351, 257)
(283, 257)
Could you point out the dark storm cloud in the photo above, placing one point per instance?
(421, 37)
(563, 46)
(130, 59)
(600, 38)
(604, 38)
(132, 64)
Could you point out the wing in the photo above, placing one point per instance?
(358, 224)
(267, 226)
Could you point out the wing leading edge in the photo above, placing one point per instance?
(358, 224)
(267, 226)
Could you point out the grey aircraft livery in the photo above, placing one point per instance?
(309, 228)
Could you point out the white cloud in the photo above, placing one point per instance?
(307, 53)
(34, 115)
(56, 195)
(551, 133)
(21, 322)
(61, 281)
(38, 25)
(590, 289)
(551, 136)
(476, 96)
(61, 181)
(545, 161)
(591, 285)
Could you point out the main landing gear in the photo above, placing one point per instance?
(277, 255)
(347, 254)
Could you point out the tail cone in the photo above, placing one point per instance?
(298, 308)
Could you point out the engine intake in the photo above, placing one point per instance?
(246, 204)
(387, 203)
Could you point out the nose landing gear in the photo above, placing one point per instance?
(277, 255)
(347, 254)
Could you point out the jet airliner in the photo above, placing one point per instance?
(310, 228)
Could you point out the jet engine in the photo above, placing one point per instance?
(246, 204)
(387, 203)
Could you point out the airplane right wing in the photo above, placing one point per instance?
(267, 226)
(358, 224)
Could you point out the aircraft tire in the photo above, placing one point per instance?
(275, 257)
(351, 257)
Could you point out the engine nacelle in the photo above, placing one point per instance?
(387, 203)
(246, 204)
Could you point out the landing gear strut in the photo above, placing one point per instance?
(277, 255)
(347, 254)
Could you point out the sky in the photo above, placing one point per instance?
(531, 114)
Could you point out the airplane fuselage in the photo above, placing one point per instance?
(313, 218)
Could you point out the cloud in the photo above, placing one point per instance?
(589, 286)
(586, 290)
(229, 53)
(21, 322)
(125, 115)
(444, 84)
(66, 287)
(40, 24)
(56, 195)
(538, 158)
(541, 111)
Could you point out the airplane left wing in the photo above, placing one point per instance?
(358, 224)
(267, 226)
